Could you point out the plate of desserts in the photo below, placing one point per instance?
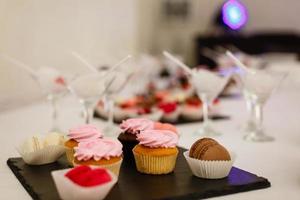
(163, 106)
(144, 162)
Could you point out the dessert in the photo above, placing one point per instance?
(156, 152)
(80, 134)
(38, 150)
(83, 182)
(104, 152)
(192, 109)
(130, 128)
(209, 159)
(208, 149)
(171, 111)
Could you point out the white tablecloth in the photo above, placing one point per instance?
(279, 161)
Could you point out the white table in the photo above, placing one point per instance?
(279, 161)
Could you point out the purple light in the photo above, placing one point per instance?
(234, 14)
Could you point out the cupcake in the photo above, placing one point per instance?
(209, 159)
(80, 134)
(192, 109)
(38, 150)
(156, 152)
(83, 182)
(104, 152)
(130, 128)
(171, 111)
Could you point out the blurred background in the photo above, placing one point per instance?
(43, 33)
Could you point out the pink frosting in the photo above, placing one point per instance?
(84, 133)
(135, 125)
(158, 138)
(98, 149)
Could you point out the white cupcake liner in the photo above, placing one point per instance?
(68, 190)
(114, 167)
(48, 154)
(209, 169)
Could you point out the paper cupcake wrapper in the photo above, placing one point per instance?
(69, 190)
(46, 155)
(209, 169)
(114, 167)
(155, 164)
(70, 155)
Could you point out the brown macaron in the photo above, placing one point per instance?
(208, 149)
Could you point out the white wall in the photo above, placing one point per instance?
(43, 32)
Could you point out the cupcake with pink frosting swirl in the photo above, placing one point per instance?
(156, 152)
(133, 127)
(80, 134)
(102, 152)
(130, 129)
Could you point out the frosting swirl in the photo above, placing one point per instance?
(158, 138)
(135, 125)
(98, 149)
(84, 133)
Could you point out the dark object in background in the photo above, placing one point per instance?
(176, 9)
(255, 44)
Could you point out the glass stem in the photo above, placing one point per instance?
(251, 111)
(259, 117)
(205, 109)
(53, 102)
(111, 106)
(88, 112)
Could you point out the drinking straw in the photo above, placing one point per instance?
(84, 61)
(178, 62)
(238, 62)
(20, 64)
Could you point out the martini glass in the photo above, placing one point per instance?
(259, 85)
(208, 86)
(89, 89)
(54, 86)
(120, 81)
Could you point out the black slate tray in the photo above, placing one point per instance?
(180, 184)
(180, 120)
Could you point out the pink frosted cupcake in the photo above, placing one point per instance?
(80, 134)
(106, 153)
(156, 152)
(130, 128)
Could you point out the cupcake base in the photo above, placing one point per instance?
(154, 163)
(113, 166)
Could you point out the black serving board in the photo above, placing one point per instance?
(180, 120)
(180, 184)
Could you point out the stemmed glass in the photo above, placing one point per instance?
(259, 85)
(89, 89)
(120, 81)
(208, 86)
(54, 86)
(51, 81)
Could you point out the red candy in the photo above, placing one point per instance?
(87, 177)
